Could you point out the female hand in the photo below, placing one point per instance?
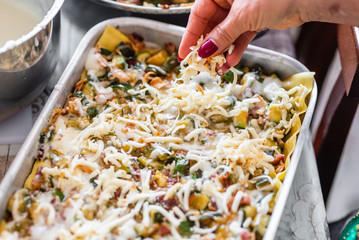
(235, 22)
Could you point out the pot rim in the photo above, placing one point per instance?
(49, 16)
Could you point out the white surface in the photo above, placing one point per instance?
(344, 195)
(15, 128)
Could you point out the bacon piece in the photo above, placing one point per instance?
(224, 180)
(278, 158)
(246, 200)
(247, 235)
(212, 206)
(279, 163)
(164, 230)
(169, 203)
(137, 42)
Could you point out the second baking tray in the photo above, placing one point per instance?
(159, 33)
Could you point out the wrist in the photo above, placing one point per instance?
(306, 10)
(333, 11)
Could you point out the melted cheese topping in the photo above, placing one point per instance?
(194, 159)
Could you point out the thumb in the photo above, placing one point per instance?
(221, 37)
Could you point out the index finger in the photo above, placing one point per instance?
(201, 13)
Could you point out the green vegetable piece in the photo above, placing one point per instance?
(185, 228)
(171, 63)
(182, 167)
(269, 152)
(92, 181)
(228, 76)
(262, 182)
(119, 61)
(90, 78)
(42, 138)
(92, 112)
(141, 57)
(105, 52)
(79, 94)
(50, 135)
(259, 79)
(123, 86)
(58, 193)
(125, 49)
(126, 169)
(258, 72)
(197, 174)
(250, 211)
(275, 113)
(241, 119)
(158, 217)
(153, 68)
(148, 152)
(142, 161)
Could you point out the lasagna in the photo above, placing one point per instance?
(149, 148)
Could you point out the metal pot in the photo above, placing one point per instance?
(27, 63)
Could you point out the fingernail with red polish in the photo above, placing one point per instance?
(207, 49)
(179, 59)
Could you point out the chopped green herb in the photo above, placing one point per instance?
(123, 86)
(51, 181)
(50, 135)
(90, 78)
(269, 152)
(197, 174)
(105, 52)
(58, 193)
(153, 68)
(148, 152)
(119, 61)
(42, 138)
(228, 76)
(182, 167)
(141, 57)
(262, 182)
(259, 78)
(185, 228)
(92, 112)
(79, 94)
(171, 63)
(125, 49)
(158, 217)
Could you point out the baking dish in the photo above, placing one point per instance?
(144, 9)
(158, 33)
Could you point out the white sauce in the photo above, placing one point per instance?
(16, 20)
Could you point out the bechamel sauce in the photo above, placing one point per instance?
(15, 20)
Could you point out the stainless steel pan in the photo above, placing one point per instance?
(159, 33)
(143, 9)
